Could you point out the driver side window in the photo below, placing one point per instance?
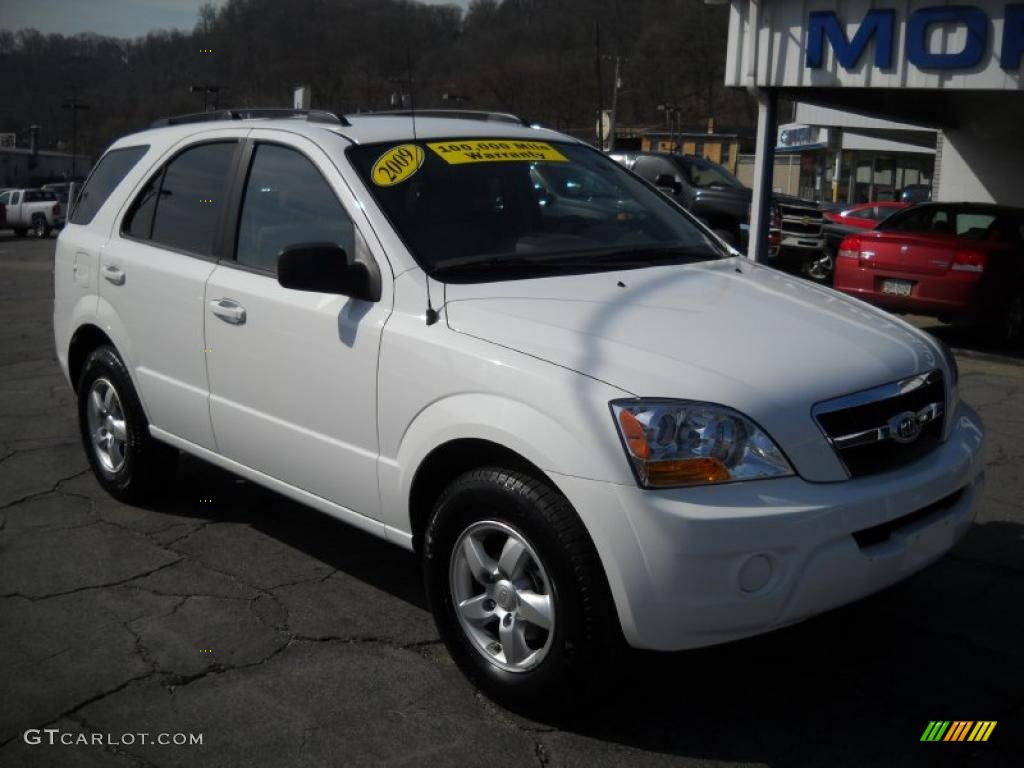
(287, 201)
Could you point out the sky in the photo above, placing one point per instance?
(117, 18)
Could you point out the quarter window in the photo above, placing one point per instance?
(109, 172)
(287, 201)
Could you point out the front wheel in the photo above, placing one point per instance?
(128, 463)
(517, 590)
(820, 268)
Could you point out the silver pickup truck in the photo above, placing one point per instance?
(38, 210)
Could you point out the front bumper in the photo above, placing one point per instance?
(697, 566)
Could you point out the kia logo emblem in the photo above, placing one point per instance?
(905, 428)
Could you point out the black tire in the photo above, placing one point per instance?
(148, 465)
(40, 228)
(586, 632)
(20, 231)
(729, 236)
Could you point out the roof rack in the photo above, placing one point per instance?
(453, 114)
(251, 113)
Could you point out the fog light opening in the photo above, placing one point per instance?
(755, 573)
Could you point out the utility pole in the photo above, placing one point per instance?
(673, 112)
(616, 84)
(75, 106)
(600, 85)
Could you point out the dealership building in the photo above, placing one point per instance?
(924, 65)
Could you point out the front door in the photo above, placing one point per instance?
(292, 373)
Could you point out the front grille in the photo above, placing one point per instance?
(800, 228)
(885, 427)
(801, 220)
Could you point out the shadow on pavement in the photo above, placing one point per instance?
(853, 687)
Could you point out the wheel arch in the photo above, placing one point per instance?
(447, 461)
(84, 340)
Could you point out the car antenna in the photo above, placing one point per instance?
(431, 312)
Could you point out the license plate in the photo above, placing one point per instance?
(897, 287)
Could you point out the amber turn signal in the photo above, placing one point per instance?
(685, 472)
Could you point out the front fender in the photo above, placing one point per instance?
(536, 436)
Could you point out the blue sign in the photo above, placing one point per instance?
(879, 27)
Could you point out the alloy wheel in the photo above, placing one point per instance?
(502, 596)
(821, 267)
(107, 428)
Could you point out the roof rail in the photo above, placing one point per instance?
(251, 113)
(453, 114)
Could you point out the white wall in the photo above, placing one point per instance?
(982, 164)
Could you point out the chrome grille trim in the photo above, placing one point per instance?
(887, 426)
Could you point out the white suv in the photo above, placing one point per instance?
(496, 347)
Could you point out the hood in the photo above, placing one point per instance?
(727, 332)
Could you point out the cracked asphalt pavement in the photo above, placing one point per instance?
(286, 638)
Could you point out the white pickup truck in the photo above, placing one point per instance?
(38, 210)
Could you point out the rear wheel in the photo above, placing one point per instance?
(128, 463)
(517, 590)
(39, 227)
(20, 231)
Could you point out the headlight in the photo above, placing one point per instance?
(678, 442)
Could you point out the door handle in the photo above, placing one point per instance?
(113, 274)
(228, 310)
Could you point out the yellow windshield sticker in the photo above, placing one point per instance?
(396, 165)
(496, 150)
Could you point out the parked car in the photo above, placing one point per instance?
(65, 191)
(590, 428)
(954, 261)
(37, 210)
(847, 221)
(720, 200)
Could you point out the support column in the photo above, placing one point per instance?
(764, 167)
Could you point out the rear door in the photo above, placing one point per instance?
(152, 275)
(293, 374)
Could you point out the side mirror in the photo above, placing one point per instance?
(667, 183)
(326, 268)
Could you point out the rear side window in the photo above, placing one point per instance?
(287, 202)
(975, 225)
(108, 173)
(181, 205)
(40, 196)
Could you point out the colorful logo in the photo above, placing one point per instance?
(958, 730)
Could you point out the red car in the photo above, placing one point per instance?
(864, 215)
(954, 261)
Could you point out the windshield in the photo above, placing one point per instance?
(707, 175)
(499, 204)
